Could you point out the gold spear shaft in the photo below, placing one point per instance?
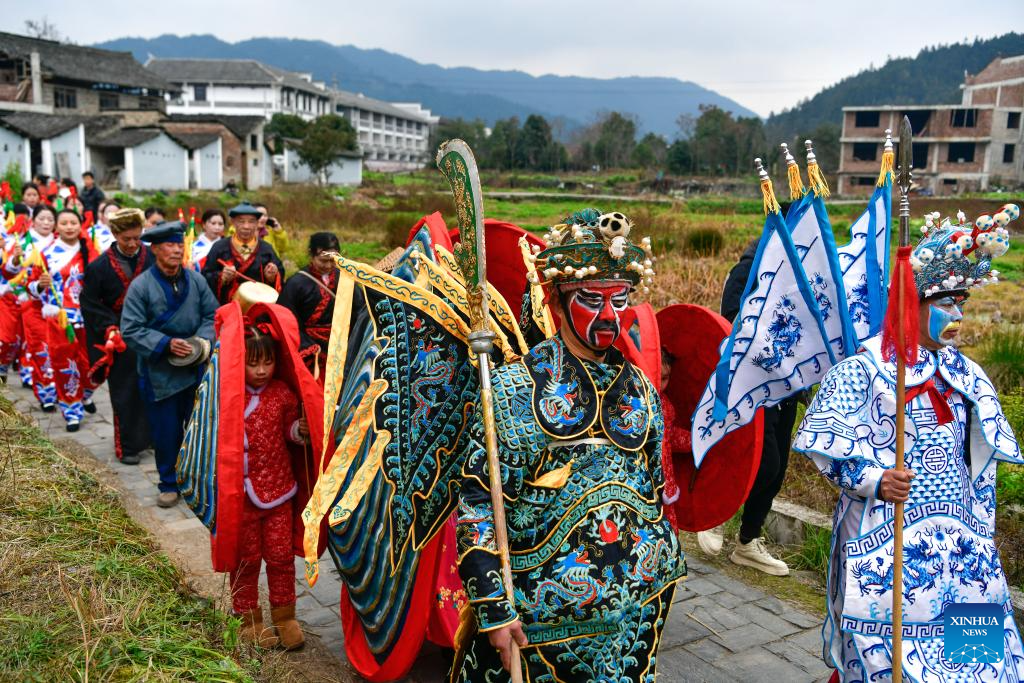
(456, 162)
(903, 180)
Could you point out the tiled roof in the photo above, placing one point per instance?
(348, 99)
(40, 126)
(83, 64)
(238, 71)
(240, 126)
(193, 140)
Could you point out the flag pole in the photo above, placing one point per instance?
(903, 180)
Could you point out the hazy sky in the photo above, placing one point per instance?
(766, 55)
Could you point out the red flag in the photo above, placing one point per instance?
(905, 310)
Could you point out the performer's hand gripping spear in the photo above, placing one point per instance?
(900, 338)
(457, 164)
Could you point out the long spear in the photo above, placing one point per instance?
(457, 164)
(904, 348)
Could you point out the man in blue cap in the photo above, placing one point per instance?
(167, 320)
(243, 256)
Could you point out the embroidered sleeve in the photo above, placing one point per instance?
(479, 562)
(848, 430)
(655, 444)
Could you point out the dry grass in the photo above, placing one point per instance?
(84, 593)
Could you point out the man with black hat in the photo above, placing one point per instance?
(168, 321)
(309, 294)
(107, 279)
(242, 257)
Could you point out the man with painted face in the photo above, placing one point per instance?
(579, 431)
(955, 434)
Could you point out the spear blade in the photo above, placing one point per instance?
(903, 178)
(456, 162)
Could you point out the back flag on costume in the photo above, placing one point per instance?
(778, 344)
(812, 237)
(865, 260)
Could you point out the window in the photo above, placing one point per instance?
(867, 119)
(960, 153)
(949, 181)
(1013, 119)
(199, 92)
(109, 100)
(149, 102)
(865, 151)
(253, 143)
(963, 118)
(65, 98)
(920, 154)
(1008, 151)
(864, 180)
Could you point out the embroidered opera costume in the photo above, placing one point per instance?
(955, 435)
(594, 559)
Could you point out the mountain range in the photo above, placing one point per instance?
(567, 101)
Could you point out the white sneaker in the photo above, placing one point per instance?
(710, 541)
(756, 555)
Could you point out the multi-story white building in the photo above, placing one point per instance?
(393, 136)
(240, 87)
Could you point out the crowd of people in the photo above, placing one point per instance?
(94, 292)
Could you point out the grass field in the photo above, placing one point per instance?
(84, 592)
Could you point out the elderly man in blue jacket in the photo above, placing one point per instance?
(167, 321)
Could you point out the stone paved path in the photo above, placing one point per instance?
(719, 629)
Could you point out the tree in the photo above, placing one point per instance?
(472, 132)
(537, 149)
(650, 152)
(615, 141)
(326, 138)
(500, 149)
(285, 127)
(42, 29)
(678, 158)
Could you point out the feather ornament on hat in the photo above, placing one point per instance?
(940, 259)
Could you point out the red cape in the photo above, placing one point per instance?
(306, 462)
(712, 494)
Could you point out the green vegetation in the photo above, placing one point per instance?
(12, 176)
(84, 592)
(815, 551)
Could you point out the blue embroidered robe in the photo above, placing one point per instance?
(949, 555)
(594, 560)
(153, 314)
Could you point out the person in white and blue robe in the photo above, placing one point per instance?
(955, 433)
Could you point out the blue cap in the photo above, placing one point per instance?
(168, 231)
(244, 209)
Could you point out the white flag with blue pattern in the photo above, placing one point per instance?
(865, 264)
(777, 347)
(812, 237)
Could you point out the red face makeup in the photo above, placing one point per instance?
(595, 311)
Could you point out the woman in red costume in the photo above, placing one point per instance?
(59, 287)
(271, 419)
(22, 270)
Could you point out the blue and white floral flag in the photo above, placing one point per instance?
(865, 264)
(778, 345)
(812, 237)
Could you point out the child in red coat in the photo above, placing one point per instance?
(271, 418)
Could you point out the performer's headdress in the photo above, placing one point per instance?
(940, 260)
(589, 245)
(126, 219)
